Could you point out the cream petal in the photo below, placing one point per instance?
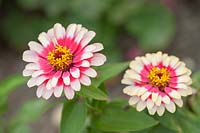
(130, 90)
(171, 107)
(127, 81)
(152, 111)
(141, 105)
(150, 104)
(175, 94)
(184, 79)
(166, 99)
(173, 61)
(141, 91)
(137, 67)
(160, 110)
(133, 100)
(158, 101)
(154, 96)
(133, 75)
(181, 71)
(145, 96)
(179, 102)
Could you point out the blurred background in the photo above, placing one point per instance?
(127, 28)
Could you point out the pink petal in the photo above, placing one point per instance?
(75, 72)
(80, 35)
(87, 38)
(75, 85)
(27, 72)
(59, 31)
(31, 82)
(47, 94)
(90, 72)
(32, 66)
(66, 78)
(98, 59)
(58, 91)
(83, 63)
(40, 91)
(34, 46)
(69, 93)
(30, 56)
(98, 47)
(44, 39)
(55, 78)
(85, 80)
(70, 30)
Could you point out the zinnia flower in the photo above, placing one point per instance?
(157, 82)
(62, 60)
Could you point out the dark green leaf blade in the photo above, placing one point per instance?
(153, 25)
(116, 118)
(73, 117)
(108, 71)
(93, 92)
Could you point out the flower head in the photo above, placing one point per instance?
(62, 60)
(157, 82)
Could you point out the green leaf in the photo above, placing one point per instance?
(93, 92)
(108, 71)
(29, 112)
(116, 118)
(154, 26)
(11, 83)
(20, 129)
(73, 117)
(3, 104)
(122, 10)
(182, 121)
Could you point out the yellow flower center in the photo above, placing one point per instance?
(159, 77)
(60, 58)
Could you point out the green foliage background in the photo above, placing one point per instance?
(150, 23)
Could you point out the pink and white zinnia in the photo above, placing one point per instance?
(157, 82)
(62, 60)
